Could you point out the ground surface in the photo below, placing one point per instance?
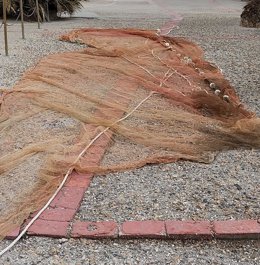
(157, 8)
(226, 189)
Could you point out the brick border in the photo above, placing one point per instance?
(148, 229)
(230, 229)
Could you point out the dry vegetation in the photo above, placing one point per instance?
(48, 8)
(250, 17)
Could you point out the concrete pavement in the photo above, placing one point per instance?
(157, 8)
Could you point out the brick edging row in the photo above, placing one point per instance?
(229, 229)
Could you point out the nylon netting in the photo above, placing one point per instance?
(190, 112)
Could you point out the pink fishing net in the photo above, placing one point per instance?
(156, 95)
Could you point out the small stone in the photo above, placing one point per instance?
(53, 251)
(63, 240)
(238, 186)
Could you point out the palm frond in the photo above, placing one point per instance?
(45, 7)
(250, 17)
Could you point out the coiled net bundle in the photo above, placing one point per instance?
(186, 110)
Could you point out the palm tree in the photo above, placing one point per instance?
(48, 8)
(250, 17)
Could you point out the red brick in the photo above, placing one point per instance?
(91, 160)
(91, 129)
(104, 140)
(237, 229)
(57, 214)
(149, 229)
(107, 229)
(12, 235)
(48, 228)
(79, 180)
(69, 198)
(189, 229)
(96, 150)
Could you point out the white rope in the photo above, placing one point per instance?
(67, 175)
(178, 73)
(169, 29)
(177, 19)
(138, 65)
(175, 71)
(161, 82)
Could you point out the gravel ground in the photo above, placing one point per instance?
(32, 251)
(225, 189)
(231, 179)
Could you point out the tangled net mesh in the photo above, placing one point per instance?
(186, 110)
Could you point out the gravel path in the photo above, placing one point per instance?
(225, 189)
(154, 192)
(40, 251)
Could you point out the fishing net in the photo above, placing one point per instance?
(155, 97)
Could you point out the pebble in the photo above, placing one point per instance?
(63, 240)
